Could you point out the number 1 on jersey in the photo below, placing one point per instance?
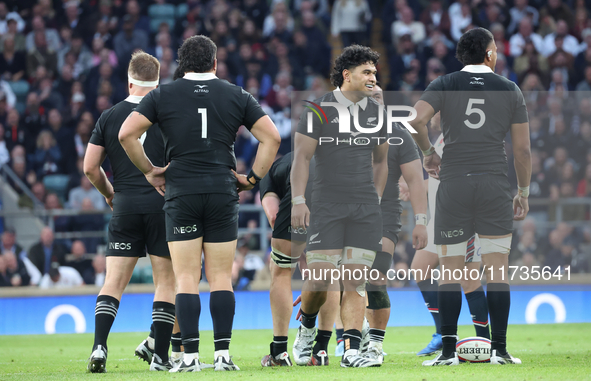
(203, 112)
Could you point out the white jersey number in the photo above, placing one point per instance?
(473, 110)
(203, 112)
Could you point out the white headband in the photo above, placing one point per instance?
(142, 83)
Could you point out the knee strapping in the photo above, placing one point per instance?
(283, 260)
(495, 245)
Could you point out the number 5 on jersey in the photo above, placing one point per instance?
(474, 110)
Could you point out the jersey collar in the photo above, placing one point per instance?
(134, 99)
(477, 69)
(346, 102)
(199, 76)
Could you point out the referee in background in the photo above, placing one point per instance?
(138, 219)
(199, 116)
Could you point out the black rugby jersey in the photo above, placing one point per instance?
(398, 155)
(133, 193)
(278, 180)
(477, 108)
(199, 116)
(344, 165)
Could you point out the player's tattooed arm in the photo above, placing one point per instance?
(94, 157)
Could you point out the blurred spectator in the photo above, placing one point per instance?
(530, 61)
(4, 154)
(279, 23)
(99, 75)
(41, 55)
(128, 40)
(15, 133)
(6, 17)
(86, 191)
(99, 265)
(46, 251)
(89, 221)
(521, 10)
(435, 17)
(34, 118)
(558, 11)
(51, 39)
(256, 10)
(503, 70)
(82, 137)
(517, 41)
(61, 277)
(9, 243)
(12, 62)
(16, 271)
(81, 56)
(569, 43)
(47, 157)
(460, 16)
(80, 261)
(498, 32)
(60, 223)
(4, 281)
(539, 186)
(318, 49)
(408, 25)
(65, 140)
(140, 21)
(527, 244)
(349, 20)
(584, 186)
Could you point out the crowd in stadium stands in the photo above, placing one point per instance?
(64, 62)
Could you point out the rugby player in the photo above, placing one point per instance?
(138, 219)
(478, 108)
(403, 159)
(287, 246)
(427, 259)
(199, 116)
(345, 223)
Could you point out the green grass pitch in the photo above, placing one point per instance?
(548, 352)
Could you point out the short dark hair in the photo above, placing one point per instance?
(197, 54)
(472, 46)
(351, 57)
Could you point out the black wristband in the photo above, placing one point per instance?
(252, 174)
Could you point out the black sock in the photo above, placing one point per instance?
(176, 342)
(352, 339)
(222, 306)
(309, 320)
(322, 340)
(376, 335)
(450, 305)
(188, 309)
(104, 316)
(498, 297)
(479, 311)
(279, 345)
(163, 321)
(340, 332)
(152, 328)
(429, 290)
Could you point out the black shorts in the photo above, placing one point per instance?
(473, 204)
(391, 221)
(282, 228)
(211, 216)
(130, 235)
(334, 226)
